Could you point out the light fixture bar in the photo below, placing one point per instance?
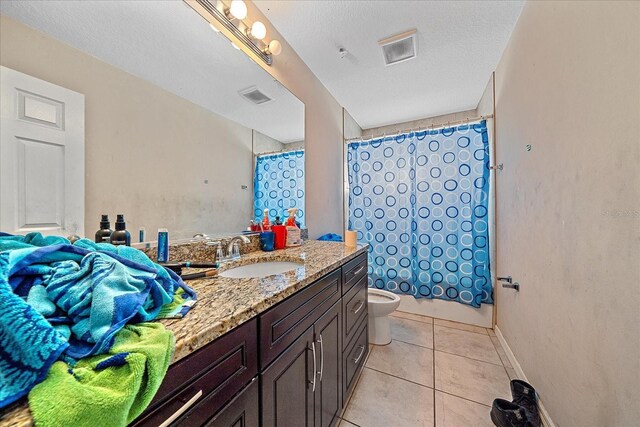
(221, 18)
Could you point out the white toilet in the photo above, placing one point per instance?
(381, 304)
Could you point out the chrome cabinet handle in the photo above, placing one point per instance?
(355, 273)
(360, 305)
(321, 357)
(357, 359)
(313, 382)
(182, 410)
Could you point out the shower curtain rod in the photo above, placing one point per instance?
(420, 129)
(278, 152)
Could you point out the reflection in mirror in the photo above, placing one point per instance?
(170, 112)
(278, 182)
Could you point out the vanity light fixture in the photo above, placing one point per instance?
(258, 31)
(230, 16)
(274, 48)
(237, 9)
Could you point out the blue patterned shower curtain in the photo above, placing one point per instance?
(278, 185)
(421, 202)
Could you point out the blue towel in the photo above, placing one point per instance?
(330, 237)
(86, 292)
(10, 242)
(28, 344)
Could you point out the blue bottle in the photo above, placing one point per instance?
(163, 245)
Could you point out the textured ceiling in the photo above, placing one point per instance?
(169, 45)
(459, 45)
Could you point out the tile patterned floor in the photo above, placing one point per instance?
(435, 373)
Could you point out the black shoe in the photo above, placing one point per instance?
(507, 414)
(525, 395)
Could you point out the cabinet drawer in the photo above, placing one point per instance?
(353, 358)
(243, 410)
(354, 308)
(283, 324)
(353, 271)
(216, 372)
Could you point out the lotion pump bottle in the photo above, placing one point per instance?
(121, 236)
(104, 234)
(293, 232)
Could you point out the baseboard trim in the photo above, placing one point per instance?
(544, 415)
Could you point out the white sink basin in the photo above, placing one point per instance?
(259, 269)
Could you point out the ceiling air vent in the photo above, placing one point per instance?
(254, 95)
(398, 48)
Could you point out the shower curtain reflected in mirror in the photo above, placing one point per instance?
(420, 200)
(278, 185)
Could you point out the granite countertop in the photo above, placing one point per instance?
(224, 303)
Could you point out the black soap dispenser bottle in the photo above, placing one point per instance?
(104, 234)
(121, 236)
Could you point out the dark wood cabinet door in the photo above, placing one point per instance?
(287, 386)
(328, 395)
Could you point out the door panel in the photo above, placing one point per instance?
(40, 110)
(41, 156)
(328, 396)
(40, 184)
(287, 392)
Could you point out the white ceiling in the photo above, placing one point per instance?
(167, 43)
(459, 45)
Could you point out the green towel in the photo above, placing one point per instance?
(108, 389)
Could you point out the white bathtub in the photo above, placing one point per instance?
(448, 310)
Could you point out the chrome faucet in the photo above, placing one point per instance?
(233, 248)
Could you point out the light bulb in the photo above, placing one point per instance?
(258, 30)
(234, 46)
(238, 9)
(214, 28)
(274, 47)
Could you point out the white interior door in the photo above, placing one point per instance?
(41, 156)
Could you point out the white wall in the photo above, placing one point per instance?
(569, 209)
(265, 144)
(323, 133)
(351, 129)
(148, 152)
(486, 108)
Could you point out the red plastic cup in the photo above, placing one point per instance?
(280, 232)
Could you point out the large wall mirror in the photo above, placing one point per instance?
(182, 130)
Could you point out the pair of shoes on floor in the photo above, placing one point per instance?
(521, 412)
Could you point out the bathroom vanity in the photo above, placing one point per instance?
(293, 364)
(281, 350)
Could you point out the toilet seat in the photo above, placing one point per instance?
(377, 297)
